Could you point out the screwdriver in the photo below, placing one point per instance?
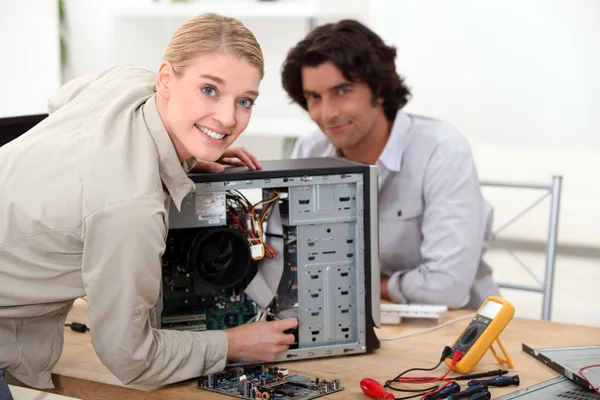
(467, 392)
(481, 396)
(468, 377)
(444, 393)
(500, 381)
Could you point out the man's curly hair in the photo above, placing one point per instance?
(358, 52)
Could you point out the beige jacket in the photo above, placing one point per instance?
(83, 212)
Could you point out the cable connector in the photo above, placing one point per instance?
(78, 327)
(457, 356)
(257, 251)
(446, 353)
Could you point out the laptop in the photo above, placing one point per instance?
(567, 361)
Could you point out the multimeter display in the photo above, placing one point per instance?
(490, 309)
(477, 338)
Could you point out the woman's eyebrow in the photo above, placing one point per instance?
(213, 78)
(222, 81)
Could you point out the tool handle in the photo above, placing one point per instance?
(501, 381)
(444, 393)
(481, 396)
(467, 392)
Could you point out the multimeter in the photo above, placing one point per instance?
(477, 338)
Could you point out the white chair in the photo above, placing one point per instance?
(552, 190)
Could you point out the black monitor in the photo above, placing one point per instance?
(13, 127)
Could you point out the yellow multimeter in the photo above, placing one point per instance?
(485, 328)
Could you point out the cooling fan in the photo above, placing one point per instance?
(221, 257)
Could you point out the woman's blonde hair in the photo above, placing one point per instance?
(210, 33)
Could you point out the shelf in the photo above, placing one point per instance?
(230, 8)
(280, 127)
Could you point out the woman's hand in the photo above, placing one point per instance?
(260, 341)
(237, 156)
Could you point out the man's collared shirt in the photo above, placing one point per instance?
(84, 209)
(433, 220)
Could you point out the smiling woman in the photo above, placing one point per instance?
(105, 164)
(208, 84)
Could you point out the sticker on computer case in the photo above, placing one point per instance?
(211, 207)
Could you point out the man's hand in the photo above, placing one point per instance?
(237, 156)
(384, 288)
(260, 341)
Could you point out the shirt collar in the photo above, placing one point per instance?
(173, 172)
(392, 153)
(391, 156)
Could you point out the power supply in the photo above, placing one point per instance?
(298, 238)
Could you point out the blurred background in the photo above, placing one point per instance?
(519, 78)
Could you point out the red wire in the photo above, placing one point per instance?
(584, 377)
(430, 379)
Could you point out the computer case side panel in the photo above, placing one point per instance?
(372, 266)
(328, 214)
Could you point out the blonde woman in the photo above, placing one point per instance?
(115, 150)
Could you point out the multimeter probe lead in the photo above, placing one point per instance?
(375, 390)
(451, 389)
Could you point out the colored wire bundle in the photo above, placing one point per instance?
(249, 219)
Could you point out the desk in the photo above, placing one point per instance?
(80, 374)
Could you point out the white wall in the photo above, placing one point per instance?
(520, 79)
(100, 37)
(29, 55)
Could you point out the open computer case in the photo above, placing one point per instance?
(298, 238)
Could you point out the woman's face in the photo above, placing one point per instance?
(208, 105)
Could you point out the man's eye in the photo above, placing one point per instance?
(246, 103)
(209, 91)
(344, 91)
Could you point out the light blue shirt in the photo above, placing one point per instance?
(434, 223)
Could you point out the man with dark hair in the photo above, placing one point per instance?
(434, 222)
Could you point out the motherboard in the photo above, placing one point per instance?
(272, 383)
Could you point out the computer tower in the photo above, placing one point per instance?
(298, 238)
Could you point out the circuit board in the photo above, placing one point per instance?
(273, 383)
(216, 312)
(189, 302)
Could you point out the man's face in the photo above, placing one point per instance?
(344, 110)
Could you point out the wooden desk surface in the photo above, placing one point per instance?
(80, 374)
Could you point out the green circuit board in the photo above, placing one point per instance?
(218, 312)
(273, 383)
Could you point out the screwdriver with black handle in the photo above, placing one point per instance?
(444, 393)
(481, 396)
(501, 381)
(468, 392)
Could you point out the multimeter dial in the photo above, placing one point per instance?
(471, 334)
